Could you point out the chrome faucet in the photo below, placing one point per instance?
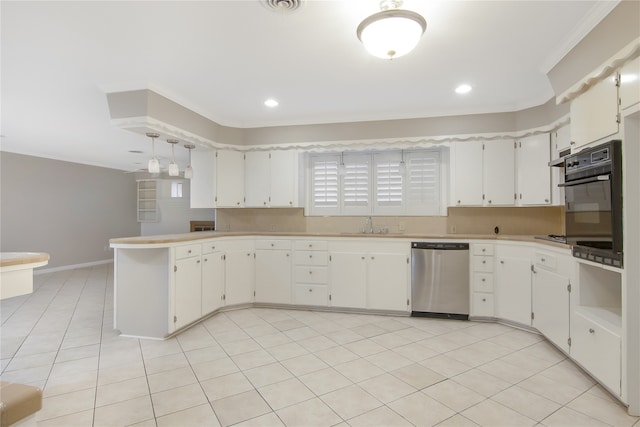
(370, 222)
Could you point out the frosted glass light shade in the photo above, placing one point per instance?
(391, 33)
(173, 169)
(154, 165)
(188, 172)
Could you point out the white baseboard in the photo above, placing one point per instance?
(71, 267)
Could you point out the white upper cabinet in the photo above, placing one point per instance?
(534, 173)
(229, 179)
(283, 178)
(257, 183)
(467, 174)
(594, 114)
(630, 84)
(203, 183)
(483, 173)
(499, 173)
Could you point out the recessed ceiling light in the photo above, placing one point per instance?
(271, 102)
(464, 88)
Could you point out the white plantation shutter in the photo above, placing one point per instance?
(356, 184)
(375, 183)
(388, 176)
(423, 182)
(324, 184)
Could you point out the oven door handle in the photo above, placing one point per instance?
(586, 180)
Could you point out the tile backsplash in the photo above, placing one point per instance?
(460, 220)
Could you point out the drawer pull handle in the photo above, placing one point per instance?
(484, 300)
(484, 280)
(542, 259)
(591, 331)
(272, 245)
(189, 251)
(310, 272)
(310, 290)
(484, 262)
(310, 256)
(310, 246)
(483, 250)
(198, 262)
(501, 262)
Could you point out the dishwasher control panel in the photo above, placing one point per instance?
(440, 245)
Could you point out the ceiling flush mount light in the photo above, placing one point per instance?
(188, 172)
(154, 164)
(392, 32)
(271, 103)
(173, 166)
(464, 88)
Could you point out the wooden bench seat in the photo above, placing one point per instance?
(18, 401)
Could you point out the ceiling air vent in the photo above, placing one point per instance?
(283, 5)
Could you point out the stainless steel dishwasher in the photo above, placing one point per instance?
(440, 279)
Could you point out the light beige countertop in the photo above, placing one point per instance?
(17, 258)
(203, 235)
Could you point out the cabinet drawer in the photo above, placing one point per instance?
(188, 251)
(483, 264)
(597, 349)
(482, 282)
(482, 249)
(273, 244)
(545, 260)
(208, 248)
(311, 245)
(311, 295)
(311, 258)
(482, 304)
(319, 275)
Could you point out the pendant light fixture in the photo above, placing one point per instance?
(173, 166)
(188, 172)
(392, 32)
(154, 164)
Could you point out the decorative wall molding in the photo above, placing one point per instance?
(145, 124)
(628, 53)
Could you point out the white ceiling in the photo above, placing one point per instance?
(222, 59)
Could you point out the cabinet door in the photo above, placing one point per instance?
(212, 281)
(187, 292)
(534, 173)
(283, 178)
(499, 173)
(513, 289)
(239, 277)
(388, 279)
(467, 174)
(630, 84)
(273, 276)
(594, 114)
(257, 183)
(229, 178)
(203, 183)
(550, 306)
(348, 279)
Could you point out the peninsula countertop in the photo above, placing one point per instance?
(172, 239)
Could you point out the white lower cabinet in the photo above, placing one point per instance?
(273, 271)
(598, 349)
(513, 283)
(239, 275)
(187, 297)
(213, 278)
(311, 273)
(550, 297)
(482, 256)
(311, 295)
(370, 274)
(348, 279)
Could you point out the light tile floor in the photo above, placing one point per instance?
(268, 367)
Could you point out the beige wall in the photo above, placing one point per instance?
(66, 209)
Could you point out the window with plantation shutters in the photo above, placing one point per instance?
(324, 184)
(423, 182)
(384, 183)
(356, 184)
(389, 183)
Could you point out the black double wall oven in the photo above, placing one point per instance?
(593, 203)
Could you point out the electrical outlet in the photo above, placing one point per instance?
(401, 226)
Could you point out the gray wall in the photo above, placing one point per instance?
(66, 209)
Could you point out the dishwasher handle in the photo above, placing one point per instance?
(445, 246)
